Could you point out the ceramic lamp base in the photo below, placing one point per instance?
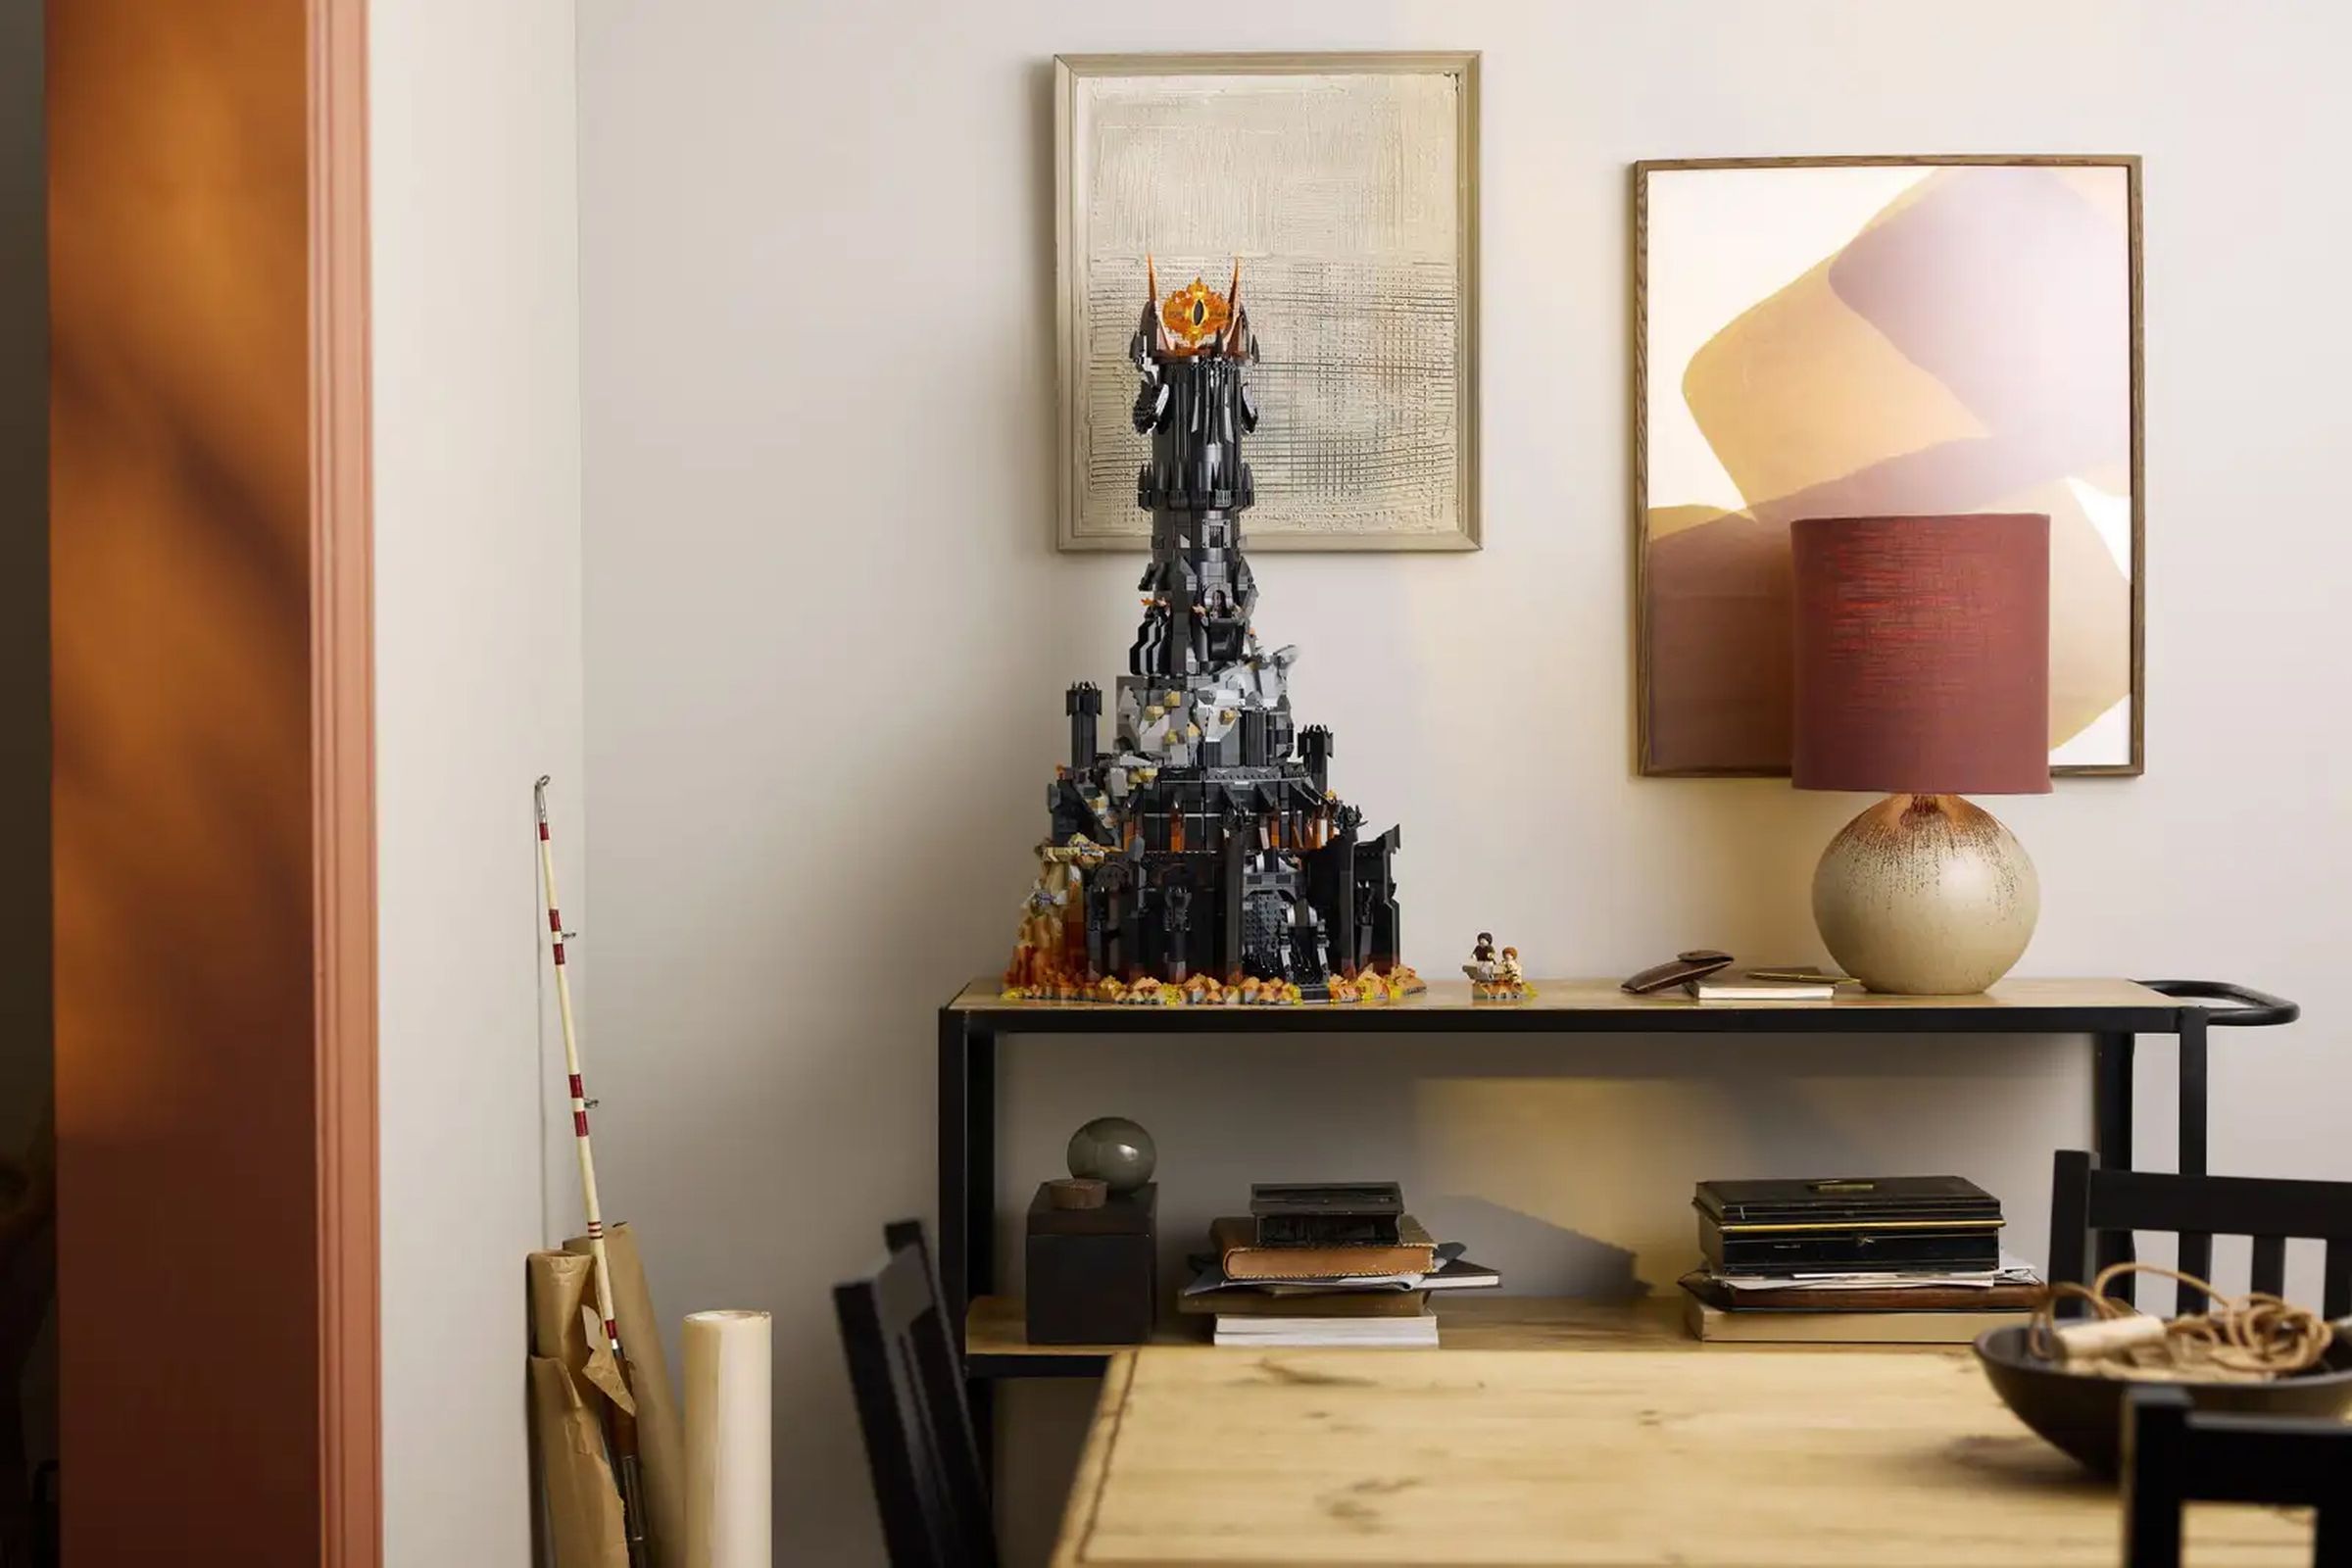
(1926, 896)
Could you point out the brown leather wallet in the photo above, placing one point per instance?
(1694, 964)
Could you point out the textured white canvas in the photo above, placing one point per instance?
(1343, 198)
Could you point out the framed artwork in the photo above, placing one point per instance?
(1344, 185)
(1879, 336)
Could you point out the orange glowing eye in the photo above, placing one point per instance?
(1194, 314)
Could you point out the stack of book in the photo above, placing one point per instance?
(1326, 1265)
(1902, 1259)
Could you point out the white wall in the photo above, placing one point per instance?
(826, 638)
(477, 528)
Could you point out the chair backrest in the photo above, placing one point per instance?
(2175, 1454)
(908, 1380)
(2085, 1199)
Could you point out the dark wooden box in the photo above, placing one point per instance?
(1094, 1273)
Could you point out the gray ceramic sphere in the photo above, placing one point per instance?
(1113, 1150)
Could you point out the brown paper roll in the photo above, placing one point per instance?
(583, 1508)
(557, 1283)
(603, 1371)
(661, 1435)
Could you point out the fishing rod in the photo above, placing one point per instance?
(620, 1425)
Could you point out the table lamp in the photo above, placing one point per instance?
(1923, 669)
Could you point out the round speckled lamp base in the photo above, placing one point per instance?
(1926, 896)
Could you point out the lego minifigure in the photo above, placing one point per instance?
(1480, 968)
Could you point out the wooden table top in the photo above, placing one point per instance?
(2047, 1003)
(1593, 1456)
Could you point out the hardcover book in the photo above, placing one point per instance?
(1857, 1295)
(1308, 1332)
(1741, 987)
(1847, 1200)
(1876, 1250)
(1706, 1321)
(1236, 1242)
(1326, 1213)
(1306, 1304)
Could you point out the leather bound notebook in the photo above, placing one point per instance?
(1236, 1240)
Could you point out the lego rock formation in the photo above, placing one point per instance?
(1202, 857)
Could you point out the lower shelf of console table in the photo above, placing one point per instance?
(2110, 1013)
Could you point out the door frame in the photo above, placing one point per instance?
(343, 792)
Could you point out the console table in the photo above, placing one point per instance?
(2113, 1014)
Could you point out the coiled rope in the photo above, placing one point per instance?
(2243, 1338)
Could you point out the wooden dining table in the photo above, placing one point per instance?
(1614, 1449)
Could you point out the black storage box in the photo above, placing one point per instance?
(1094, 1273)
(1890, 1224)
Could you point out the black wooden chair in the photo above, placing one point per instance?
(2085, 1199)
(909, 1379)
(2175, 1454)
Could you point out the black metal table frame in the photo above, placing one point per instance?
(968, 1088)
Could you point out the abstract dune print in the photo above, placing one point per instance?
(1881, 339)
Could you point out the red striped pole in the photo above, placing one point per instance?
(624, 1426)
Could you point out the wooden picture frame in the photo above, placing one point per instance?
(1649, 763)
(1079, 338)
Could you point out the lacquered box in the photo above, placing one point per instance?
(1094, 1273)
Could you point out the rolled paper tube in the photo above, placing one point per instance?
(661, 1434)
(2094, 1342)
(583, 1508)
(729, 1425)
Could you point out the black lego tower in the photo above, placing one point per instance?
(1203, 852)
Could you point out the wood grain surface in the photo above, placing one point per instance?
(1605, 995)
(1593, 1456)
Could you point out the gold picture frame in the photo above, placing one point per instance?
(1087, 514)
(1646, 738)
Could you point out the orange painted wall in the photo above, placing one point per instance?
(179, 461)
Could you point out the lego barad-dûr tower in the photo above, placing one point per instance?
(1203, 856)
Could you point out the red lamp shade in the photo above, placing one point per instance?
(1923, 653)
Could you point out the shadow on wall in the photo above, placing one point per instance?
(759, 1136)
(1587, 1267)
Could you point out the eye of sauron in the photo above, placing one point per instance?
(1194, 314)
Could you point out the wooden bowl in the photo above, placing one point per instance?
(2083, 1413)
